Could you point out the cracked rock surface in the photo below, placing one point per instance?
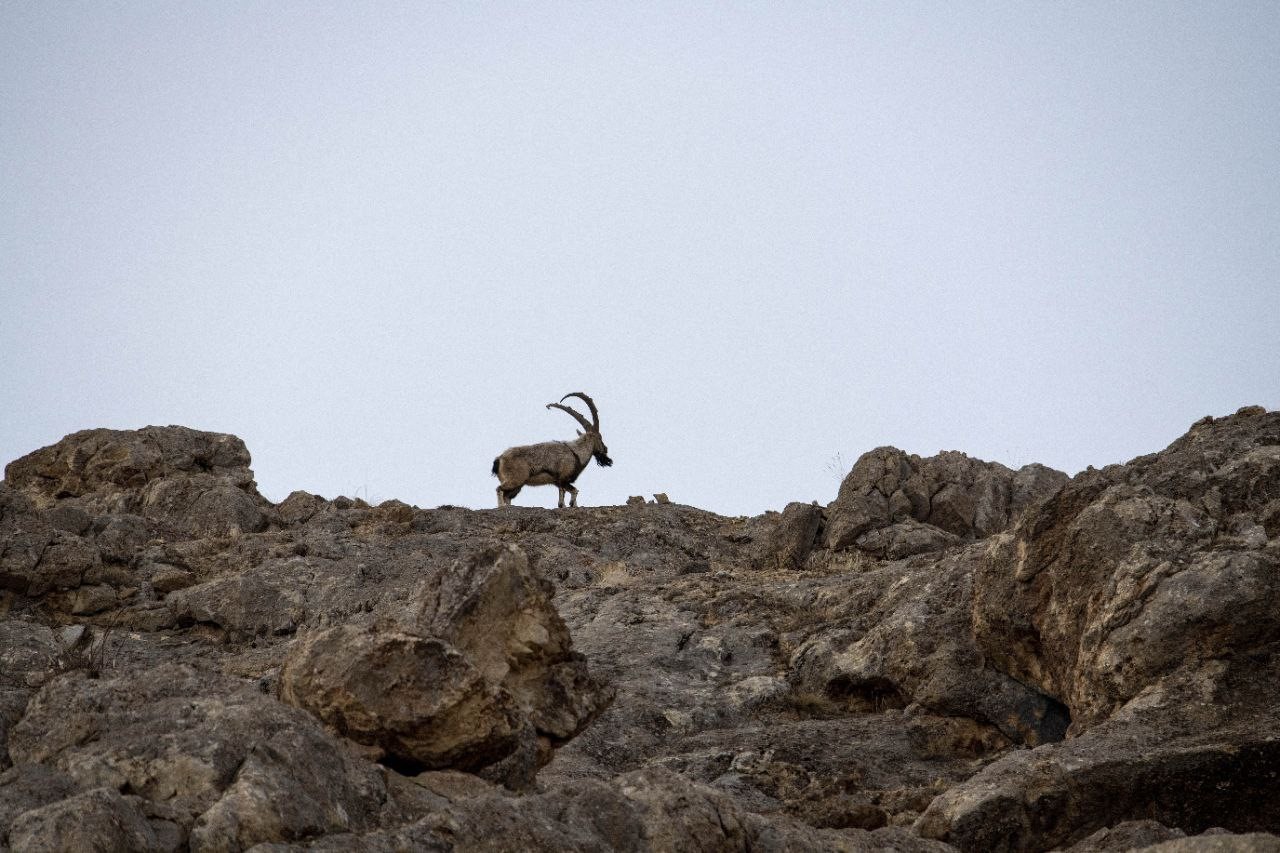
(951, 656)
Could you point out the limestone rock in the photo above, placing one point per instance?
(796, 535)
(94, 459)
(222, 756)
(196, 481)
(951, 492)
(100, 819)
(416, 698)
(1130, 835)
(910, 641)
(483, 671)
(247, 605)
(1128, 575)
(1133, 597)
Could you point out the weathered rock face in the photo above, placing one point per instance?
(1145, 598)
(99, 819)
(903, 637)
(889, 495)
(416, 650)
(983, 660)
(1134, 572)
(192, 745)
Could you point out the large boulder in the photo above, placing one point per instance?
(417, 699)
(479, 672)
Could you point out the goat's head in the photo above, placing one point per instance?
(591, 429)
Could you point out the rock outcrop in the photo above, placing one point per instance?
(1146, 598)
(894, 504)
(952, 655)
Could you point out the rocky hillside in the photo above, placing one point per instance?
(950, 656)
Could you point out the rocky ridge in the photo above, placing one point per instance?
(951, 655)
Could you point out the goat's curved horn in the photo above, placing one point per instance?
(595, 415)
(577, 417)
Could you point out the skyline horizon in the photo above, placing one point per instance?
(375, 243)
(276, 494)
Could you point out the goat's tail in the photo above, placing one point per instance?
(495, 465)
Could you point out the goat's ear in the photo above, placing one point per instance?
(578, 431)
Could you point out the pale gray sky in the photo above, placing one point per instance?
(373, 240)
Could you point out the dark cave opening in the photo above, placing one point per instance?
(865, 694)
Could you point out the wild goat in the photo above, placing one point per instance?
(558, 462)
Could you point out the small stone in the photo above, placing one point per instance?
(92, 599)
(679, 720)
(71, 635)
(166, 579)
(71, 519)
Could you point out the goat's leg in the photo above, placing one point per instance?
(561, 503)
(573, 496)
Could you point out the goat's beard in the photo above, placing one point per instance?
(603, 460)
